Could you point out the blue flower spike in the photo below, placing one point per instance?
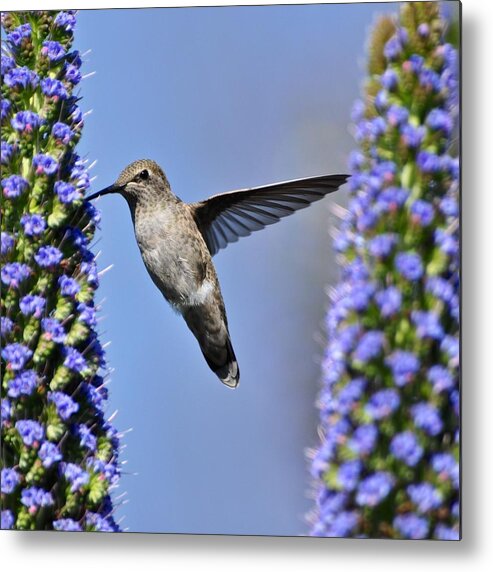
(60, 455)
(387, 466)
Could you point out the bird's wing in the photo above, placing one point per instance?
(226, 217)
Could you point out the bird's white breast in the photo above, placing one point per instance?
(162, 249)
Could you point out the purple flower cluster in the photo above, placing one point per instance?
(389, 405)
(60, 453)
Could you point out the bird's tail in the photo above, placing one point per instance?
(227, 371)
(208, 324)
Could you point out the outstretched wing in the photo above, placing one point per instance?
(226, 217)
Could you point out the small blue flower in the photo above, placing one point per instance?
(13, 273)
(393, 48)
(30, 431)
(72, 74)
(389, 79)
(8, 242)
(25, 121)
(16, 36)
(429, 162)
(22, 384)
(405, 447)
(87, 439)
(412, 136)
(33, 224)
(67, 524)
(6, 325)
(75, 475)
(92, 212)
(348, 475)
(382, 403)
(16, 355)
(360, 295)
(45, 165)
(66, 192)
(381, 100)
(6, 409)
(441, 378)
(64, 404)
(391, 199)
(424, 30)
(7, 63)
(404, 366)
(427, 417)
(450, 345)
(411, 525)
(366, 220)
(62, 132)
(364, 439)
(381, 245)
(48, 256)
(53, 330)
(54, 51)
(427, 324)
(74, 360)
(95, 397)
(446, 467)
(100, 523)
(349, 395)
(10, 479)
(7, 520)
(32, 305)
(5, 108)
(416, 63)
(422, 212)
(374, 488)
(91, 272)
(86, 314)
(35, 497)
(440, 288)
(440, 120)
(397, 115)
(447, 243)
(65, 20)
(443, 532)
(425, 496)
(449, 206)
(68, 286)
(409, 265)
(14, 186)
(21, 77)
(370, 346)
(389, 300)
(49, 454)
(343, 524)
(430, 80)
(53, 88)
(6, 152)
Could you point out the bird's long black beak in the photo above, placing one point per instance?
(106, 191)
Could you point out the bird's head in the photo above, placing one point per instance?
(141, 180)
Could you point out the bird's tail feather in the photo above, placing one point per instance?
(228, 371)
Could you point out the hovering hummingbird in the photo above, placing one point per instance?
(177, 241)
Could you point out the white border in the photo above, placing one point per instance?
(77, 552)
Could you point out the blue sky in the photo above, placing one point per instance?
(221, 98)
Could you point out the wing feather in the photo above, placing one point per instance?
(226, 217)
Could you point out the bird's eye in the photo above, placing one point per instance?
(144, 175)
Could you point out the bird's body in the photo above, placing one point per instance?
(177, 241)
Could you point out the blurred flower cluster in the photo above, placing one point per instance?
(59, 453)
(388, 464)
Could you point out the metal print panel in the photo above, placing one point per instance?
(302, 382)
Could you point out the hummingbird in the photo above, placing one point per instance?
(177, 241)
